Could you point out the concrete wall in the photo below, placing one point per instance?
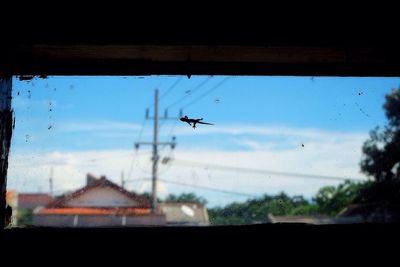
(53, 220)
(96, 220)
(185, 214)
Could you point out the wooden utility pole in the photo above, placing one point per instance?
(122, 180)
(155, 144)
(51, 182)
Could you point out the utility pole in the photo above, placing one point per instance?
(155, 156)
(155, 144)
(122, 180)
(51, 182)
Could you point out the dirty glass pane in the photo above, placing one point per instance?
(230, 150)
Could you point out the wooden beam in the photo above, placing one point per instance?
(6, 126)
(94, 59)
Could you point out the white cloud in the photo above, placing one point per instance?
(100, 125)
(324, 153)
(281, 131)
(27, 103)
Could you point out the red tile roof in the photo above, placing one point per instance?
(99, 182)
(33, 198)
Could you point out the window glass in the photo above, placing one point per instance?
(224, 150)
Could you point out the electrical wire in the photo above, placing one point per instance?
(206, 93)
(170, 88)
(138, 140)
(207, 188)
(190, 93)
(267, 172)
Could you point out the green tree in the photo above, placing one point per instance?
(331, 200)
(382, 150)
(256, 210)
(219, 216)
(381, 156)
(186, 197)
(148, 196)
(328, 201)
(24, 217)
(306, 209)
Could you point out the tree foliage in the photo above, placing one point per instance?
(182, 198)
(186, 198)
(329, 200)
(25, 217)
(381, 159)
(257, 210)
(381, 151)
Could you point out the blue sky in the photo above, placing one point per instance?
(59, 119)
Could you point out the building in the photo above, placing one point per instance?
(12, 202)
(193, 214)
(101, 203)
(300, 219)
(30, 201)
(377, 212)
(24, 204)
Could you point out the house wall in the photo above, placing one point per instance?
(146, 220)
(24, 206)
(53, 220)
(102, 197)
(96, 220)
(24, 203)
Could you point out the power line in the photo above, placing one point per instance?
(139, 137)
(207, 92)
(26, 164)
(172, 128)
(112, 157)
(185, 96)
(169, 155)
(190, 93)
(131, 168)
(141, 129)
(208, 188)
(268, 172)
(137, 180)
(171, 87)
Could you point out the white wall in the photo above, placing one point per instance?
(102, 197)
